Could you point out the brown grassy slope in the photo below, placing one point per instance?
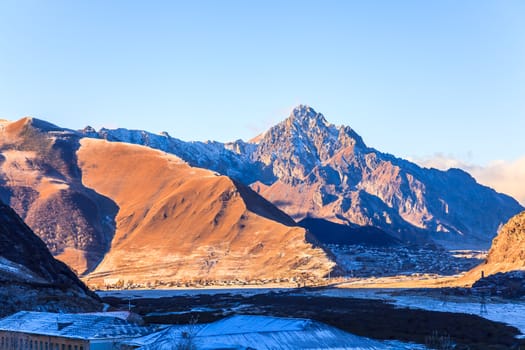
(507, 252)
(181, 223)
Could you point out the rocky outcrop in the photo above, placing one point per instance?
(508, 248)
(30, 278)
(507, 253)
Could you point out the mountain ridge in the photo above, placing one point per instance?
(195, 223)
(310, 168)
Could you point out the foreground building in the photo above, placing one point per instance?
(51, 331)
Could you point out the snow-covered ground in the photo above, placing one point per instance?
(512, 313)
(265, 332)
(18, 271)
(509, 312)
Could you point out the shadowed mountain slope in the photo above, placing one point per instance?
(328, 232)
(30, 278)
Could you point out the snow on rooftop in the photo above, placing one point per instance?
(77, 326)
(248, 324)
(123, 315)
(263, 332)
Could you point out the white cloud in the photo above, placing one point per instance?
(504, 176)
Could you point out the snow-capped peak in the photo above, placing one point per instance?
(306, 116)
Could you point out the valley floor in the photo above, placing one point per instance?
(408, 315)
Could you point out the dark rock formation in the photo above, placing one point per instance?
(30, 278)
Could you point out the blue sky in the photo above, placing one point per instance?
(414, 78)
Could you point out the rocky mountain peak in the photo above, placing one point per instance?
(306, 116)
(89, 130)
(294, 147)
(305, 123)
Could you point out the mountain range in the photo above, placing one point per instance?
(116, 211)
(310, 168)
(129, 205)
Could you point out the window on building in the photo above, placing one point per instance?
(69, 347)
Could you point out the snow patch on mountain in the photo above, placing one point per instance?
(17, 271)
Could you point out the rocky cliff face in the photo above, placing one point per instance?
(508, 248)
(30, 278)
(328, 172)
(506, 254)
(310, 168)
